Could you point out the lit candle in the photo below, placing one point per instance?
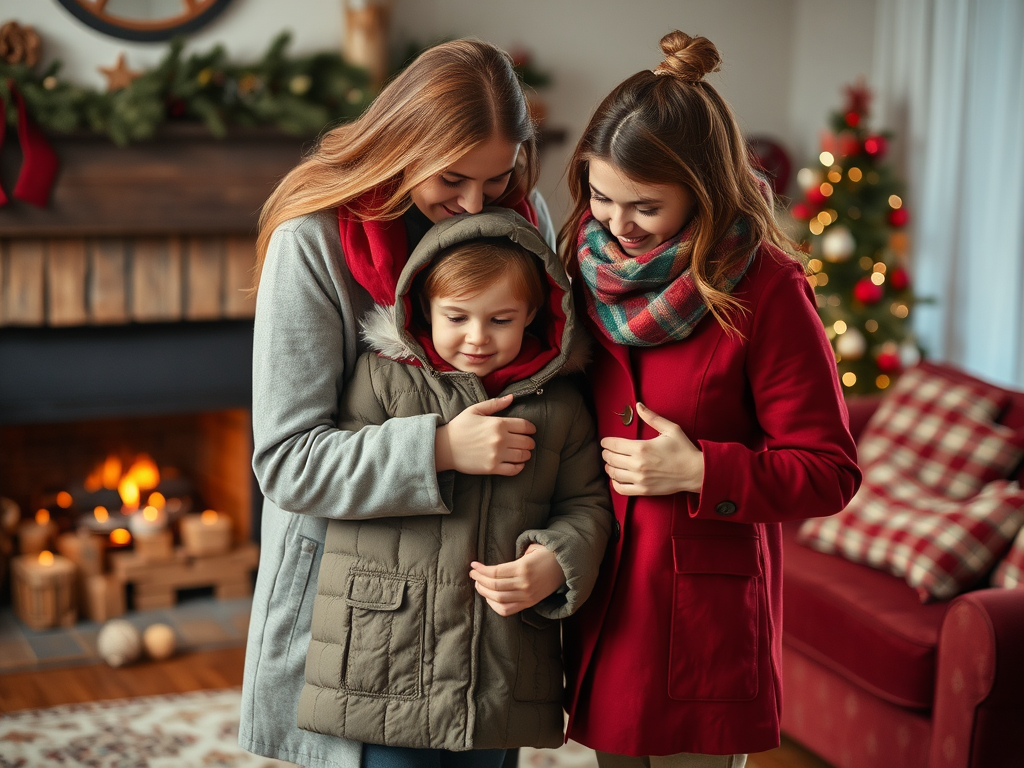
(102, 520)
(153, 539)
(206, 534)
(44, 590)
(149, 520)
(36, 535)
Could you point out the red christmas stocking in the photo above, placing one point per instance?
(39, 161)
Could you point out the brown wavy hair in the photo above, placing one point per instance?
(468, 268)
(449, 100)
(668, 126)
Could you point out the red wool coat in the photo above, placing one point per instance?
(678, 648)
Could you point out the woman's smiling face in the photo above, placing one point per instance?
(640, 216)
(476, 179)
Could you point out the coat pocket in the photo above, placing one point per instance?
(384, 654)
(301, 569)
(716, 619)
(539, 671)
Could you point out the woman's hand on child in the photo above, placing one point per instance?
(520, 584)
(666, 464)
(478, 443)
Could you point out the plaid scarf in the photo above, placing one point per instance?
(651, 299)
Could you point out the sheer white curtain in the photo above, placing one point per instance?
(949, 76)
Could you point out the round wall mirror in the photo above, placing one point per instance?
(145, 21)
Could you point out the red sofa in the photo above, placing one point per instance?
(873, 678)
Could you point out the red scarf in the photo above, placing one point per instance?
(533, 356)
(376, 251)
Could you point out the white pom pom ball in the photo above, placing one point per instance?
(119, 643)
(910, 355)
(159, 642)
(851, 345)
(837, 244)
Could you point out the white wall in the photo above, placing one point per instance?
(784, 60)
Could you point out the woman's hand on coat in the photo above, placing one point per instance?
(520, 584)
(666, 464)
(478, 443)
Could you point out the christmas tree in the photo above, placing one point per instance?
(854, 236)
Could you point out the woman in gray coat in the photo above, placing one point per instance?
(447, 136)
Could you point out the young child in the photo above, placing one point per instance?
(440, 632)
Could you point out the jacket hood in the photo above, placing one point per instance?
(562, 341)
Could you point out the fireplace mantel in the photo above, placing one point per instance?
(129, 293)
(182, 182)
(160, 231)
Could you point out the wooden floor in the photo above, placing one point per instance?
(212, 670)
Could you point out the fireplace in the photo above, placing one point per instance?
(126, 324)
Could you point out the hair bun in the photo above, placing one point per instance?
(688, 58)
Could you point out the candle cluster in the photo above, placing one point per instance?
(69, 551)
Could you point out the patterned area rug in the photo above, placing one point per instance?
(569, 755)
(190, 730)
(199, 623)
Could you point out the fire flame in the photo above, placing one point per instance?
(101, 514)
(46, 557)
(43, 516)
(110, 472)
(144, 472)
(129, 492)
(120, 536)
(156, 499)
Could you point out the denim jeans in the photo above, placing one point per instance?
(377, 756)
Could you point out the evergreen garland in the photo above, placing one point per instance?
(299, 96)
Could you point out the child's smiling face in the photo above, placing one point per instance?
(480, 333)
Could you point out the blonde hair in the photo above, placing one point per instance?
(452, 98)
(468, 268)
(669, 126)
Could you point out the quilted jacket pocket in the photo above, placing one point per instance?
(539, 671)
(384, 655)
(716, 618)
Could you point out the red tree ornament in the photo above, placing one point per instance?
(899, 279)
(867, 292)
(801, 211)
(888, 362)
(849, 144)
(898, 217)
(815, 199)
(876, 146)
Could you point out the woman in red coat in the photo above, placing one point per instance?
(720, 414)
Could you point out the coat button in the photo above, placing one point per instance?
(616, 531)
(626, 414)
(725, 508)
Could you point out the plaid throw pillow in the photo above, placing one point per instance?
(940, 546)
(1010, 571)
(941, 432)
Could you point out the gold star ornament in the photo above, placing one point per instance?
(119, 76)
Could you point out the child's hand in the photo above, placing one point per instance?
(661, 466)
(477, 443)
(513, 587)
